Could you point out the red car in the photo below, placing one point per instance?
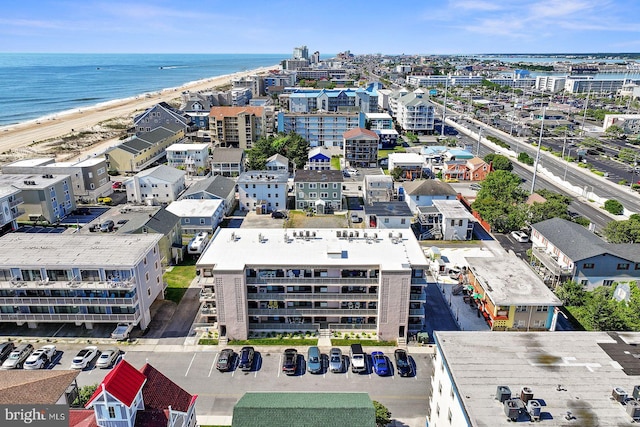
(116, 185)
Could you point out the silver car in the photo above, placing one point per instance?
(336, 362)
(108, 358)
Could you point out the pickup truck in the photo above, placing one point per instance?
(122, 331)
(358, 359)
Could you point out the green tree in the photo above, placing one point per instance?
(591, 142)
(383, 415)
(525, 158)
(627, 231)
(613, 207)
(503, 186)
(571, 293)
(602, 312)
(614, 131)
(628, 155)
(84, 394)
(396, 173)
(499, 162)
(291, 145)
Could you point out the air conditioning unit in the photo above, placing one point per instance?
(636, 392)
(513, 408)
(619, 394)
(503, 393)
(526, 394)
(633, 409)
(534, 408)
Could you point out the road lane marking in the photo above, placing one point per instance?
(215, 358)
(191, 363)
(279, 364)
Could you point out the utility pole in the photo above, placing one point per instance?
(535, 164)
(479, 138)
(444, 110)
(584, 115)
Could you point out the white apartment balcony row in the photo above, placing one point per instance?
(73, 301)
(68, 317)
(47, 284)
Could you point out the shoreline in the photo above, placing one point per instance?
(140, 96)
(22, 134)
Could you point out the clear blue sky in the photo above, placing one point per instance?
(276, 26)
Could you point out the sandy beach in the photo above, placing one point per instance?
(20, 136)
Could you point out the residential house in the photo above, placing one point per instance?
(227, 161)
(320, 128)
(192, 158)
(415, 113)
(455, 170)
(379, 121)
(277, 162)
(141, 398)
(79, 278)
(500, 380)
(320, 190)
(477, 169)
(141, 151)
(564, 250)
(198, 215)
(38, 387)
(509, 294)
(388, 137)
(237, 127)
(424, 191)
(264, 191)
(378, 188)
(215, 188)
(319, 158)
(353, 271)
(473, 169)
(307, 409)
(196, 106)
(394, 214)
(360, 148)
(444, 219)
(89, 178)
(10, 201)
(153, 219)
(161, 184)
(161, 115)
(412, 164)
(44, 197)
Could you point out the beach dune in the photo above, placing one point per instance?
(23, 134)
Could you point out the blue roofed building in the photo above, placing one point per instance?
(310, 100)
(320, 128)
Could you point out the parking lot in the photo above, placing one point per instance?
(217, 392)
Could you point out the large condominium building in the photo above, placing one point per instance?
(320, 128)
(79, 278)
(263, 191)
(415, 113)
(10, 200)
(585, 84)
(360, 148)
(324, 279)
(301, 52)
(44, 197)
(310, 100)
(239, 127)
(139, 152)
(553, 379)
(192, 158)
(551, 84)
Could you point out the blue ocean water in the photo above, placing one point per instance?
(34, 85)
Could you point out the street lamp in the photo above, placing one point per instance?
(584, 115)
(535, 164)
(444, 110)
(566, 165)
(479, 138)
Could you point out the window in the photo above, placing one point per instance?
(403, 220)
(449, 416)
(521, 309)
(112, 412)
(439, 387)
(637, 265)
(588, 265)
(144, 261)
(300, 185)
(201, 221)
(623, 266)
(149, 291)
(607, 282)
(313, 195)
(584, 282)
(386, 220)
(146, 276)
(542, 308)
(453, 222)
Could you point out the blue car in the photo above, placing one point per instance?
(380, 365)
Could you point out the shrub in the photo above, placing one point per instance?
(613, 207)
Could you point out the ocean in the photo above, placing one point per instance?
(35, 85)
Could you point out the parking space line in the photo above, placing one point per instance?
(191, 363)
(215, 358)
(279, 365)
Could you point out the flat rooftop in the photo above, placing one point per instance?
(452, 209)
(509, 281)
(194, 207)
(35, 181)
(232, 249)
(74, 250)
(567, 371)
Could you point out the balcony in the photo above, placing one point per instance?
(550, 262)
(207, 295)
(291, 281)
(303, 311)
(278, 296)
(74, 301)
(416, 312)
(69, 284)
(68, 317)
(284, 326)
(208, 311)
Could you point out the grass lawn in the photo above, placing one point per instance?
(335, 163)
(383, 154)
(179, 279)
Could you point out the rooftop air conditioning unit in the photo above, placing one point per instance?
(526, 394)
(513, 408)
(636, 392)
(533, 408)
(633, 409)
(619, 394)
(503, 393)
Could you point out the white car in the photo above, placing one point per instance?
(107, 358)
(520, 236)
(39, 358)
(84, 357)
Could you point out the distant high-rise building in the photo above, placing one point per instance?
(301, 52)
(315, 58)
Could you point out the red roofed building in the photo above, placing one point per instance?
(360, 148)
(237, 127)
(145, 398)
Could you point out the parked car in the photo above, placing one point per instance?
(355, 218)
(84, 357)
(403, 365)
(37, 360)
(290, 361)
(314, 360)
(476, 187)
(380, 365)
(225, 360)
(105, 200)
(358, 358)
(520, 236)
(5, 349)
(116, 185)
(336, 361)
(246, 358)
(108, 358)
(107, 226)
(279, 215)
(17, 357)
